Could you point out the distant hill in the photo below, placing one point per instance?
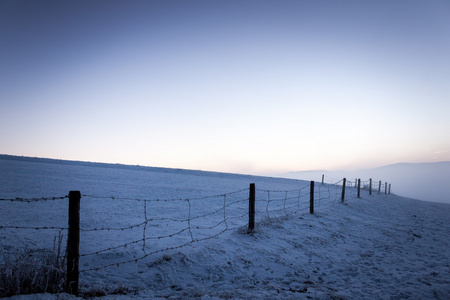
(424, 181)
(136, 168)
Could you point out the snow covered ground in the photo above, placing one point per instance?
(376, 247)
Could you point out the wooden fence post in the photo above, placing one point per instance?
(251, 208)
(311, 198)
(379, 187)
(389, 189)
(323, 178)
(344, 182)
(370, 186)
(385, 188)
(73, 243)
(359, 187)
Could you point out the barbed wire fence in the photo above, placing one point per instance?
(140, 228)
(169, 224)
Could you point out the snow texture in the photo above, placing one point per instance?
(376, 247)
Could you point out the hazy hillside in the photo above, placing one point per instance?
(424, 181)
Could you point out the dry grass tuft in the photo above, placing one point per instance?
(33, 271)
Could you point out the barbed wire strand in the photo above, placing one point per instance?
(33, 227)
(135, 242)
(33, 199)
(165, 200)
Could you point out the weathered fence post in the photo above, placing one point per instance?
(251, 208)
(73, 243)
(370, 186)
(344, 182)
(385, 188)
(311, 198)
(323, 178)
(389, 192)
(356, 182)
(359, 187)
(379, 187)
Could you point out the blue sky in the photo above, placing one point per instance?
(237, 86)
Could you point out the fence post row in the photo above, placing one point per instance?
(387, 189)
(344, 182)
(73, 243)
(251, 208)
(73, 238)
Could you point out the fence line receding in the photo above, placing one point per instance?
(141, 228)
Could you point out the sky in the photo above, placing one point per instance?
(256, 87)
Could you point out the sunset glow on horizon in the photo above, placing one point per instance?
(256, 87)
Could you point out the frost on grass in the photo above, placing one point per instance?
(32, 270)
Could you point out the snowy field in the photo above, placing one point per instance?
(158, 233)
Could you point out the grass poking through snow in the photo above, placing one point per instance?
(33, 271)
